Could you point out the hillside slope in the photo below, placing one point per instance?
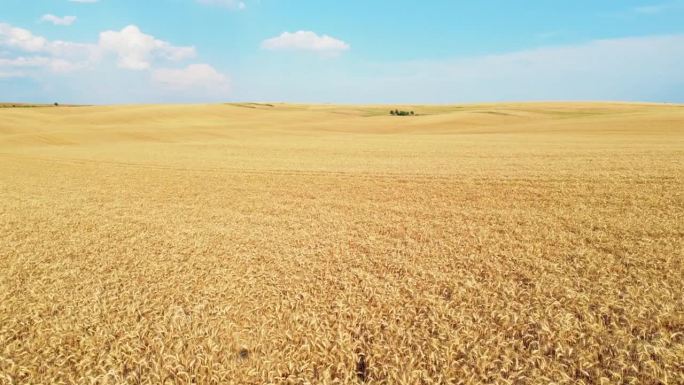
(254, 243)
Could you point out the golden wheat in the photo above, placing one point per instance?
(293, 244)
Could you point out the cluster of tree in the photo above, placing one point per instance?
(401, 113)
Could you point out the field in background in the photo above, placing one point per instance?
(254, 243)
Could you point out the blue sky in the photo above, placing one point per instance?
(354, 51)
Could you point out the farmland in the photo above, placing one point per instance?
(317, 244)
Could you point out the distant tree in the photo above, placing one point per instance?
(56, 104)
(401, 113)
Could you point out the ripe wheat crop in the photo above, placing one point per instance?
(294, 244)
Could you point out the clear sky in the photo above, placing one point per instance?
(353, 51)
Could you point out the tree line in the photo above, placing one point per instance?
(401, 113)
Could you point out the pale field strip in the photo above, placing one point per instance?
(526, 243)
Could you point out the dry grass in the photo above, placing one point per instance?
(253, 244)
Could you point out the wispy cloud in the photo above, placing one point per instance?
(193, 76)
(655, 9)
(629, 68)
(231, 4)
(637, 68)
(55, 65)
(8, 75)
(547, 35)
(56, 20)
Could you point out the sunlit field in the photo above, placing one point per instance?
(530, 243)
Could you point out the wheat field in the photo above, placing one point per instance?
(529, 243)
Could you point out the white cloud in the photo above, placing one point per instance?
(306, 41)
(133, 49)
(123, 66)
(232, 4)
(194, 76)
(136, 49)
(21, 39)
(56, 20)
(24, 40)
